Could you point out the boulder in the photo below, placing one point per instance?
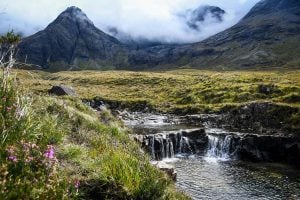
(268, 148)
(62, 90)
(167, 168)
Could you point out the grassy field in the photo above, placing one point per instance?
(179, 91)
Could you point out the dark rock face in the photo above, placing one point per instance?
(263, 118)
(254, 147)
(194, 17)
(72, 42)
(269, 148)
(62, 90)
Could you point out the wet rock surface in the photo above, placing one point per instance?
(167, 144)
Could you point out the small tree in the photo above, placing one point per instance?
(9, 99)
(8, 44)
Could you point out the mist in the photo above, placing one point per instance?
(153, 20)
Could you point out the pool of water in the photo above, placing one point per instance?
(210, 178)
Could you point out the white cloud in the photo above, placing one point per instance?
(151, 19)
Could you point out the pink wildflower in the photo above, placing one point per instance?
(29, 159)
(8, 108)
(12, 158)
(76, 183)
(49, 153)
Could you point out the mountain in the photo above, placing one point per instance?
(72, 41)
(267, 37)
(199, 15)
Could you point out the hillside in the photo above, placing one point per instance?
(267, 37)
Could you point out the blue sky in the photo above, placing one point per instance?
(151, 19)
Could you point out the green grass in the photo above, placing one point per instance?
(90, 148)
(107, 162)
(174, 91)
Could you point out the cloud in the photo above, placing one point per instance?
(149, 19)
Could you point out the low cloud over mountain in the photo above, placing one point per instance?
(150, 20)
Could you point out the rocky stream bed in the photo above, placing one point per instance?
(213, 162)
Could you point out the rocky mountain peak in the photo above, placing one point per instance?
(203, 13)
(72, 41)
(74, 14)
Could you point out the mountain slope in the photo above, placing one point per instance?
(72, 41)
(267, 37)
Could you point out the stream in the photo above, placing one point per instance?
(211, 173)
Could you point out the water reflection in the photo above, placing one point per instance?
(210, 178)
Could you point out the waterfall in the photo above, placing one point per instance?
(172, 153)
(165, 146)
(184, 146)
(152, 148)
(219, 146)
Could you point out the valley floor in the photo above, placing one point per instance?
(178, 91)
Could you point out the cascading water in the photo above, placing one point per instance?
(219, 146)
(184, 145)
(168, 145)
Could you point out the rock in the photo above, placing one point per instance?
(62, 90)
(267, 148)
(267, 89)
(168, 169)
(263, 118)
